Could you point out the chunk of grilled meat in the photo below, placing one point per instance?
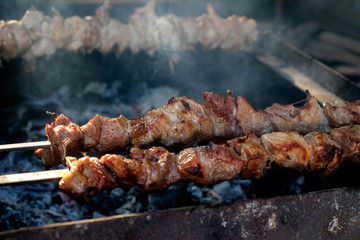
(103, 134)
(282, 118)
(88, 176)
(38, 35)
(348, 138)
(156, 169)
(253, 153)
(184, 122)
(340, 116)
(66, 139)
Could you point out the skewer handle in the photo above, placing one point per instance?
(31, 177)
(24, 146)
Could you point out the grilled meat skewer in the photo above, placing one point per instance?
(156, 168)
(184, 122)
(38, 35)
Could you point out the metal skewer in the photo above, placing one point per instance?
(31, 177)
(24, 146)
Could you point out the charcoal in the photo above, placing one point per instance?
(228, 193)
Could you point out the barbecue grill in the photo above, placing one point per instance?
(82, 85)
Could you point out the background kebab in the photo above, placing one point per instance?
(38, 35)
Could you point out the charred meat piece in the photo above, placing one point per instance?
(277, 117)
(183, 121)
(326, 153)
(316, 151)
(253, 153)
(287, 149)
(103, 134)
(223, 109)
(252, 120)
(340, 116)
(348, 138)
(66, 139)
(86, 177)
(209, 164)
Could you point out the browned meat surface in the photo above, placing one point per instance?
(38, 35)
(348, 138)
(288, 149)
(181, 123)
(86, 177)
(316, 151)
(326, 153)
(252, 120)
(354, 106)
(209, 164)
(340, 116)
(104, 135)
(253, 153)
(305, 118)
(223, 108)
(281, 118)
(155, 169)
(147, 174)
(151, 154)
(66, 139)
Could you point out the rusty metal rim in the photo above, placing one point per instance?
(318, 215)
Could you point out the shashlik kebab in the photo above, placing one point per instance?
(38, 35)
(184, 122)
(156, 168)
